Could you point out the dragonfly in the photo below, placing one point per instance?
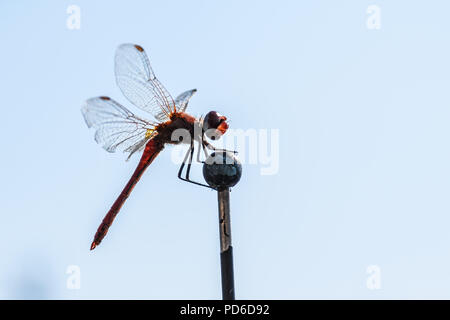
(117, 128)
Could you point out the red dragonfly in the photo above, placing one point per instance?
(117, 128)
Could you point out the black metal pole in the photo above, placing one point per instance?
(226, 250)
(222, 170)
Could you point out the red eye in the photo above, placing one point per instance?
(212, 120)
(215, 123)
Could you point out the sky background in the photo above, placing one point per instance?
(364, 159)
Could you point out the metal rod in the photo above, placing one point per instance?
(226, 250)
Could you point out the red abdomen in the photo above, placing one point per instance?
(152, 149)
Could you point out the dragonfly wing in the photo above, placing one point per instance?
(183, 99)
(138, 82)
(116, 127)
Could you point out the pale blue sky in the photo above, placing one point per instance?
(364, 175)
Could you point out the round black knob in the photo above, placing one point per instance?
(222, 170)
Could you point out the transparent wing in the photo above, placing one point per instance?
(116, 127)
(183, 99)
(138, 83)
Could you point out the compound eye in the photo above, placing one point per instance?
(211, 121)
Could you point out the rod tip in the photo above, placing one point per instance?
(222, 170)
(93, 245)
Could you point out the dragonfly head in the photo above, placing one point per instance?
(214, 125)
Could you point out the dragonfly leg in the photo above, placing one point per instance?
(188, 169)
(189, 154)
(200, 145)
(211, 147)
